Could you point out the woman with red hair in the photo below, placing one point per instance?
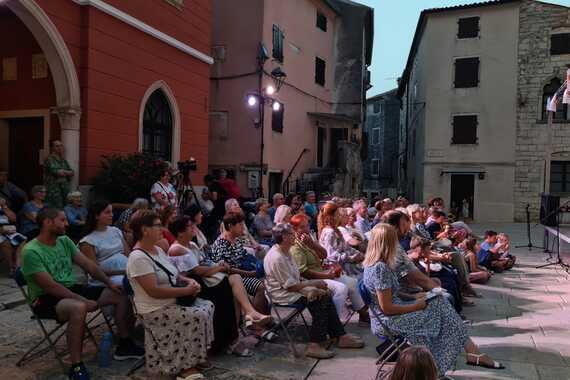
(338, 250)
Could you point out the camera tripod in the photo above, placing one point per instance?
(186, 190)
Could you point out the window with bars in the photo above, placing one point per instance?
(277, 119)
(560, 44)
(320, 70)
(466, 72)
(278, 37)
(464, 129)
(560, 176)
(157, 126)
(562, 111)
(321, 21)
(468, 27)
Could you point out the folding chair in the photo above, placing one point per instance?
(130, 293)
(397, 344)
(52, 336)
(295, 310)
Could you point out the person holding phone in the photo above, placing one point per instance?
(434, 324)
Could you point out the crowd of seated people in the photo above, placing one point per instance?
(207, 270)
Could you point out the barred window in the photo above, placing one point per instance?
(560, 176)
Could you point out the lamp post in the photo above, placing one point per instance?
(263, 97)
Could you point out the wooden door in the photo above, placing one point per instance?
(26, 142)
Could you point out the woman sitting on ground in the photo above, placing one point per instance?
(28, 225)
(432, 323)
(228, 249)
(285, 286)
(477, 273)
(104, 244)
(170, 349)
(330, 237)
(283, 214)
(262, 222)
(309, 255)
(216, 287)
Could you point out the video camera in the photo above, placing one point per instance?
(185, 167)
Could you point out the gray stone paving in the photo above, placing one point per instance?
(522, 320)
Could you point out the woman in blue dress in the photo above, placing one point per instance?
(432, 323)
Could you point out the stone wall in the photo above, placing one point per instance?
(537, 68)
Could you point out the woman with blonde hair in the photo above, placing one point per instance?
(338, 250)
(283, 214)
(430, 322)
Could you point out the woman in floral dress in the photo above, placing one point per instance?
(431, 323)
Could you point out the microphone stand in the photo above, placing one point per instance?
(559, 260)
(530, 246)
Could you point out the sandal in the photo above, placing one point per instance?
(349, 341)
(495, 365)
(263, 321)
(268, 336)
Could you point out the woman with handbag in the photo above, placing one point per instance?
(180, 325)
(225, 292)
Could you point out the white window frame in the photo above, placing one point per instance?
(377, 141)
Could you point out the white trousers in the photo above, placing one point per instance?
(343, 287)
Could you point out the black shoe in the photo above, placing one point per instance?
(128, 350)
(78, 372)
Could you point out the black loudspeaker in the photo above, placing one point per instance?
(548, 205)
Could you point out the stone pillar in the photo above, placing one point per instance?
(69, 118)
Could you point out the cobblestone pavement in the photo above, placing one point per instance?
(522, 320)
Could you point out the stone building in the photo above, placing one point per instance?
(473, 93)
(105, 77)
(313, 141)
(380, 168)
(542, 153)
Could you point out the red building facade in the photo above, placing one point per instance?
(113, 76)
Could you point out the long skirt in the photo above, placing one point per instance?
(438, 327)
(225, 323)
(178, 337)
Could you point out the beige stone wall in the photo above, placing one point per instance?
(536, 68)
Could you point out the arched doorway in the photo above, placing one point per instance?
(65, 104)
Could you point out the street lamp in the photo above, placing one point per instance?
(264, 96)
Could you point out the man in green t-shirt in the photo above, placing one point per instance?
(47, 266)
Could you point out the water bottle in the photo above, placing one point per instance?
(105, 352)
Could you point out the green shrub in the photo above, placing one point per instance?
(122, 178)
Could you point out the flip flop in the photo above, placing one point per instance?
(194, 376)
(268, 336)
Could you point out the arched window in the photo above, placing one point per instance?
(157, 126)
(547, 93)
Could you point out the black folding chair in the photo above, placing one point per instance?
(53, 335)
(396, 345)
(130, 293)
(294, 311)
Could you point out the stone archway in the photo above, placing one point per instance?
(63, 72)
